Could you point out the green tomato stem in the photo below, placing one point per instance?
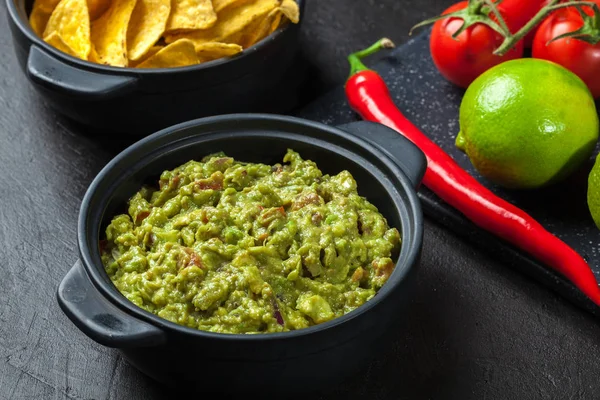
(475, 6)
(512, 40)
(476, 12)
(498, 16)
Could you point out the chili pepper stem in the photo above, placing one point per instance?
(355, 59)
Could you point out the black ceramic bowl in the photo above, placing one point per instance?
(387, 168)
(263, 78)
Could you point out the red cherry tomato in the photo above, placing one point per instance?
(580, 57)
(528, 40)
(463, 59)
(517, 13)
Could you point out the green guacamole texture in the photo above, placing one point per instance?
(231, 247)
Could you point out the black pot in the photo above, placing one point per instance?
(263, 78)
(387, 168)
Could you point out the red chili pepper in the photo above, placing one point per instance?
(369, 96)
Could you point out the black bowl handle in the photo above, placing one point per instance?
(409, 157)
(50, 73)
(99, 319)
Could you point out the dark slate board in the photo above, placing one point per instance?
(432, 103)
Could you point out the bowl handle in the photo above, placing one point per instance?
(51, 73)
(409, 157)
(98, 318)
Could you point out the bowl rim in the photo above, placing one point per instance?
(26, 29)
(409, 256)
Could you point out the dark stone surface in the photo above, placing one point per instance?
(476, 329)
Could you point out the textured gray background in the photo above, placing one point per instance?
(476, 329)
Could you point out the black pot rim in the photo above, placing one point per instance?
(408, 258)
(25, 28)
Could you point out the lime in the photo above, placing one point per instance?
(527, 123)
(593, 194)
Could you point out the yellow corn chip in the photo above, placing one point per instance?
(219, 5)
(242, 36)
(109, 33)
(93, 57)
(153, 50)
(212, 51)
(260, 29)
(47, 6)
(146, 26)
(40, 14)
(38, 20)
(177, 54)
(230, 22)
(97, 8)
(55, 41)
(290, 9)
(71, 22)
(191, 15)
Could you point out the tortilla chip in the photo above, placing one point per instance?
(93, 57)
(212, 51)
(38, 20)
(230, 22)
(191, 15)
(71, 22)
(40, 14)
(109, 33)
(153, 50)
(146, 26)
(46, 6)
(260, 29)
(56, 41)
(290, 9)
(219, 5)
(97, 8)
(241, 38)
(177, 54)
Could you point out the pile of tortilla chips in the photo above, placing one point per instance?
(157, 33)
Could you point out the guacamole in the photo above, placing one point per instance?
(233, 247)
